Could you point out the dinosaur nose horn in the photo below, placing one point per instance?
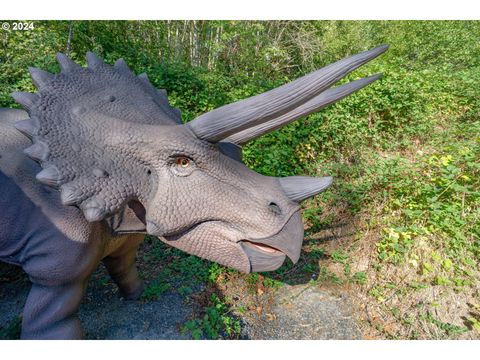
(299, 188)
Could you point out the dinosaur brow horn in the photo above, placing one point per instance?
(233, 118)
(319, 102)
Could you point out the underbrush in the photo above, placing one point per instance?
(399, 228)
(404, 153)
(420, 240)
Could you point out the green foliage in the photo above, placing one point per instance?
(154, 291)
(404, 151)
(359, 277)
(179, 270)
(216, 323)
(437, 200)
(447, 328)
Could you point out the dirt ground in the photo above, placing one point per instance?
(103, 313)
(299, 311)
(303, 306)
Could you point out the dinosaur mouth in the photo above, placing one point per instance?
(154, 229)
(262, 257)
(262, 247)
(220, 242)
(269, 253)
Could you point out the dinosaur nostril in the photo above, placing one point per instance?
(275, 208)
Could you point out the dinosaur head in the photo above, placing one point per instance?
(108, 139)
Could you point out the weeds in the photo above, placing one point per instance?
(153, 291)
(216, 323)
(404, 153)
(448, 329)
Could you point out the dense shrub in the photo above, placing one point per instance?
(404, 151)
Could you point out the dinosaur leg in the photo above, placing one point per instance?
(59, 269)
(122, 269)
(51, 312)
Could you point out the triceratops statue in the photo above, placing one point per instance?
(125, 165)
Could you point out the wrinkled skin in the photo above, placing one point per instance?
(65, 241)
(55, 245)
(203, 208)
(125, 165)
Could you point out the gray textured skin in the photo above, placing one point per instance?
(125, 165)
(53, 243)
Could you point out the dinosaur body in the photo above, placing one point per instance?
(54, 244)
(125, 165)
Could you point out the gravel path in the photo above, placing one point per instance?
(303, 312)
(298, 312)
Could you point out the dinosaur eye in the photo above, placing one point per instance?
(183, 162)
(181, 165)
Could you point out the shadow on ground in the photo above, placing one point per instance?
(295, 310)
(103, 313)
